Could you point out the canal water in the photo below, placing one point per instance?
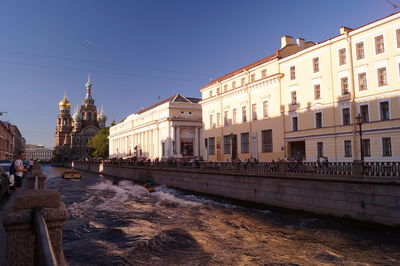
(126, 225)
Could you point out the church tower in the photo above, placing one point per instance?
(64, 123)
(88, 109)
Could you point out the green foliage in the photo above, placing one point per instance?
(98, 144)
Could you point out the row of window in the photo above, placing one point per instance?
(233, 120)
(384, 112)
(344, 83)
(360, 53)
(366, 148)
(230, 143)
(242, 83)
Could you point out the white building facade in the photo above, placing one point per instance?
(38, 152)
(169, 128)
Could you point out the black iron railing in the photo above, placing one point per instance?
(389, 169)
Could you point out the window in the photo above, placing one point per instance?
(379, 45)
(211, 146)
(234, 116)
(254, 111)
(398, 38)
(382, 80)
(242, 81)
(364, 113)
(384, 110)
(218, 91)
(347, 148)
(320, 149)
(252, 77)
(360, 51)
(317, 91)
(295, 123)
(266, 140)
(218, 119)
(362, 81)
(226, 121)
(244, 114)
(292, 72)
(263, 73)
(342, 56)
(227, 144)
(386, 147)
(294, 97)
(345, 85)
(211, 121)
(318, 120)
(315, 64)
(346, 116)
(225, 87)
(244, 142)
(366, 147)
(233, 85)
(265, 109)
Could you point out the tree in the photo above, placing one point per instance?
(98, 144)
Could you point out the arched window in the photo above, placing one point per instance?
(90, 116)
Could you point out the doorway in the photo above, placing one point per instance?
(297, 150)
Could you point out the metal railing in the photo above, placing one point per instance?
(377, 169)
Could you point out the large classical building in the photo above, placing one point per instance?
(171, 127)
(73, 132)
(38, 152)
(302, 101)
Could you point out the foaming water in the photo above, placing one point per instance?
(127, 225)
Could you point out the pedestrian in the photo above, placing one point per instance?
(19, 170)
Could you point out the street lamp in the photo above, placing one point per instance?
(359, 121)
(232, 136)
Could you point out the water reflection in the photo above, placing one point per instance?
(127, 225)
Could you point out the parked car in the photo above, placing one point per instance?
(4, 183)
(6, 164)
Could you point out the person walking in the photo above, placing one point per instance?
(19, 170)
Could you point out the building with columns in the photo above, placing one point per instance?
(74, 132)
(38, 152)
(169, 128)
(303, 101)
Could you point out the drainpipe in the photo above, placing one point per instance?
(333, 99)
(282, 110)
(353, 93)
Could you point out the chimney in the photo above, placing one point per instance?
(286, 40)
(300, 42)
(344, 29)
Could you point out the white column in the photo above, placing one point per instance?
(173, 139)
(178, 140)
(196, 142)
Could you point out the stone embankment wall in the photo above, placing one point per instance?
(366, 199)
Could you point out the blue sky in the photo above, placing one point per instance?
(137, 51)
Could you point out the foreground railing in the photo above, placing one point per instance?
(45, 252)
(34, 224)
(386, 169)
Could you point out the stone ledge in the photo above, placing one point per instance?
(30, 198)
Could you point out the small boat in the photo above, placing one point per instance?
(149, 187)
(71, 174)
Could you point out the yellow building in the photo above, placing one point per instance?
(169, 128)
(303, 101)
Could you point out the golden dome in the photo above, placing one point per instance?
(65, 103)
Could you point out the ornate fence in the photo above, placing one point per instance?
(378, 169)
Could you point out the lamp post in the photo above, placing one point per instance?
(232, 136)
(359, 121)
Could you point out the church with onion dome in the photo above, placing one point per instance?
(74, 132)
